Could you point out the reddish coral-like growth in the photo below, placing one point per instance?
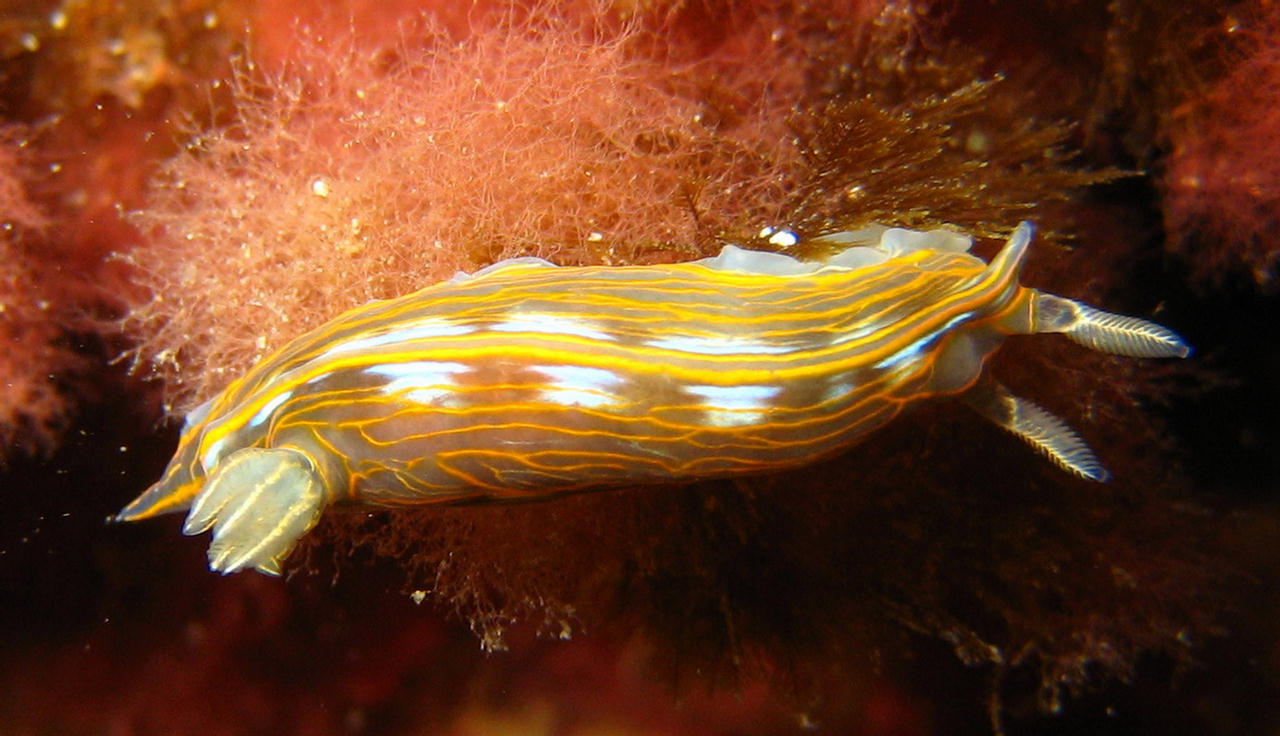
(32, 408)
(1222, 183)
(365, 174)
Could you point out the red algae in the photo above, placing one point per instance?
(33, 408)
(1222, 176)
(91, 85)
(1179, 90)
(75, 54)
(360, 174)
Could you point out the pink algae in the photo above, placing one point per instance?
(1222, 177)
(362, 173)
(32, 408)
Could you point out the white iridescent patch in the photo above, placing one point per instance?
(212, 454)
(552, 324)
(735, 406)
(575, 385)
(420, 381)
(838, 390)
(265, 412)
(424, 330)
(912, 352)
(854, 334)
(717, 345)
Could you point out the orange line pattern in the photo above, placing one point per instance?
(528, 380)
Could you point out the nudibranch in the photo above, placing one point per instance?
(526, 380)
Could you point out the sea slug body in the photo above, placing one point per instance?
(526, 380)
